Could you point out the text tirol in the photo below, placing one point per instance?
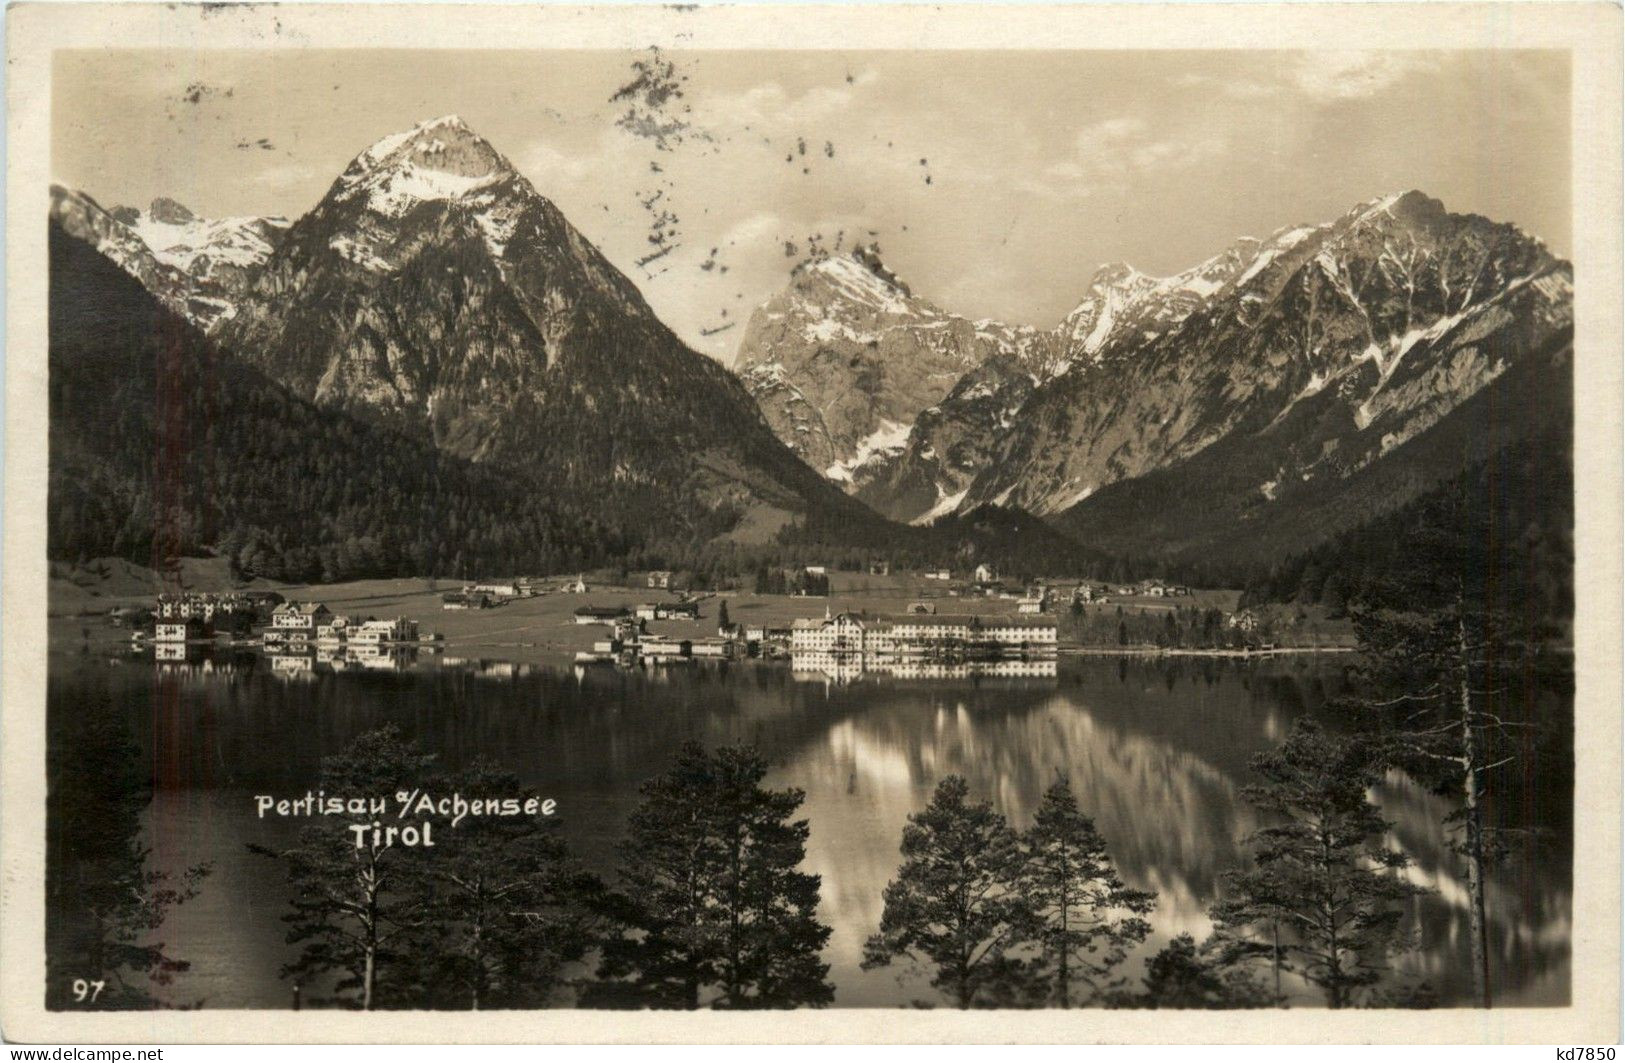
(375, 835)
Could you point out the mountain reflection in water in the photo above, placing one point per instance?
(1157, 752)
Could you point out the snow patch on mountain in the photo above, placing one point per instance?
(827, 328)
(360, 254)
(859, 283)
(890, 438)
(945, 505)
(238, 242)
(1279, 244)
(442, 159)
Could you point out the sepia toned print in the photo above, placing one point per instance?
(660, 526)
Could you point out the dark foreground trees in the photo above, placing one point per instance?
(1001, 919)
(353, 905)
(1087, 918)
(712, 909)
(506, 906)
(488, 917)
(1186, 975)
(1324, 896)
(955, 906)
(1453, 655)
(105, 896)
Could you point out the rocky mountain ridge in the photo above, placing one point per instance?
(434, 289)
(1384, 308)
(1384, 311)
(845, 359)
(195, 266)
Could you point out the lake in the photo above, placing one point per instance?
(1157, 751)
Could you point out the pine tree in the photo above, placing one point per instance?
(955, 907)
(1185, 975)
(1334, 596)
(1088, 919)
(714, 910)
(722, 613)
(1449, 667)
(504, 905)
(1324, 893)
(353, 905)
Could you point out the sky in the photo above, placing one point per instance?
(994, 182)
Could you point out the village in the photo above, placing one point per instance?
(872, 619)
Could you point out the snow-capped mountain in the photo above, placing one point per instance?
(82, 217)
(194, 265)
(1379, 323)
(957, 440)
(1124, 308)
(847, 356)
(1387, 309)
(435, 289)
(949, 444)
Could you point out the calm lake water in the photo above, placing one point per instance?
(1157, 751)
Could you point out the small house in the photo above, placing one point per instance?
(1032, 606)
(600, 614)
(333, 630)
(299, 619)
(378, 632)
(986, 573)
(660, 579)
(174, 630)
(668, 611)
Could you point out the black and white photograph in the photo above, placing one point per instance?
(680, 528)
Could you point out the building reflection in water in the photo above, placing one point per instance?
(304, 662)
(848, 667)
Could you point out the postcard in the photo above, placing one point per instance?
(992, 523)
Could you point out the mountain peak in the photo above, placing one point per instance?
(442, 158)
(1114, 274)
(859, 274)
(169, 212)
(1403, 201)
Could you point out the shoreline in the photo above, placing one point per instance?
(1158, 651)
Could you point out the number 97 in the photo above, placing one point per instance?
(84, 991)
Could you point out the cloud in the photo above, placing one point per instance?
(1322, 77)
(769, 105)
(286, 175)
(1236, 88)
(1114, 154)
(1332, 76)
